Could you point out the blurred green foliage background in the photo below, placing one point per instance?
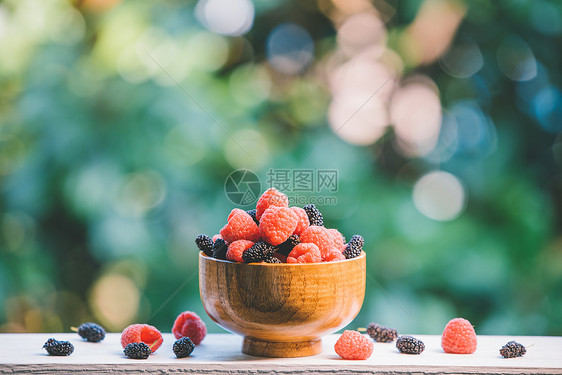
(120, 121)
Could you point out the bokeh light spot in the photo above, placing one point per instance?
(226, 17)
(516, 59)
(115, 300)
(462, 60)
(439, 196)
(289, 48)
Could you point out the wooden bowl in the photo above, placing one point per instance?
(282, 310)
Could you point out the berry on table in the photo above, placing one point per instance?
(137, 333)
(183, 347)
(513, 349)
(236, 249)
(354, 345)
(189, 324)
(305, 253)
(354, 247)
(92, 332)
(409, 345)
(459, 337)
(240, 226)
(205, 244)
(314, 215)
(220, 248)
(380, 333)
(277, 224)
(271, 197)
(58, 348)
(137, 350)
(259, 252)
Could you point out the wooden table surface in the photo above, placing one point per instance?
(221, 354)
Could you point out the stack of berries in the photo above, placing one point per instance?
(273, 232)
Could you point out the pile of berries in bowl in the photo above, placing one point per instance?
(273, 232)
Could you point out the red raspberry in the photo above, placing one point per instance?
(216, 236)
(237, 248)
(338, 239)
(459, 337)
(305, 253)
(277, 224)
(240, 226)
(234, 211)
(303, 220)
(189, 324)
(142, 333)
(333, 255)
(318, 236)
(271, 197)
(353, 345)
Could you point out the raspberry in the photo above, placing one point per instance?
(136, 333)
(92, 332)
(409, 345)
(333, 255)
(233, 212)
(236, 249)
(459, 337)
(252, 213)
(305, 253)
(354, 247)
(320, 237)
(219, 249)
(277, 224)
(303, 220)
(58, 348)
(338, 239)
(189, 324)
(286, 247)
(380, 333)
(216, 237)
(205, 244)
(240, 226)
(271, 197)
(183, 347)
(137, 350)
(353, 345)
(314, 215)
(512, 349)
(259, 252)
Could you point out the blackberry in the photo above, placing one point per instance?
(252, 213)
(258, 253)
(137, 350)
(219, 249)
(60, 348)
(205, 244)
(183, 347)
(272, 260)
(512, 349)
(92, 332)
(314, 215)
(409, 345)
(380, 333)
(354, 247)
(286, 247)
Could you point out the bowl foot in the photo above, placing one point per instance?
(288, 349)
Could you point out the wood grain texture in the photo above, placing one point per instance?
(282, 310)
(220, 354)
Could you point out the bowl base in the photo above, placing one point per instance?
(288, 349)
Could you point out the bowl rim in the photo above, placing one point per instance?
(263, 264)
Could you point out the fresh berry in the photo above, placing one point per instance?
(286, 247)
(354, 247)
(236, 249)
(233, 212)
(219, 249)
(189, 324)
(409, 345)
(353, 345)
(259, 252)
(59, 348)
(136, 333)
(277, 224)
(338, 239)
(459, 337)
(273, 259)
(137, 350)
(513, 349)
(303, 222)
(314, 215)
(305, 253)
(240, 226)
(92, 332)
(271, 197)
(380, 333)
(205, 244)
(252, 214)
(183, 347)
(333, 255)
(318, 236)
(216, 237)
